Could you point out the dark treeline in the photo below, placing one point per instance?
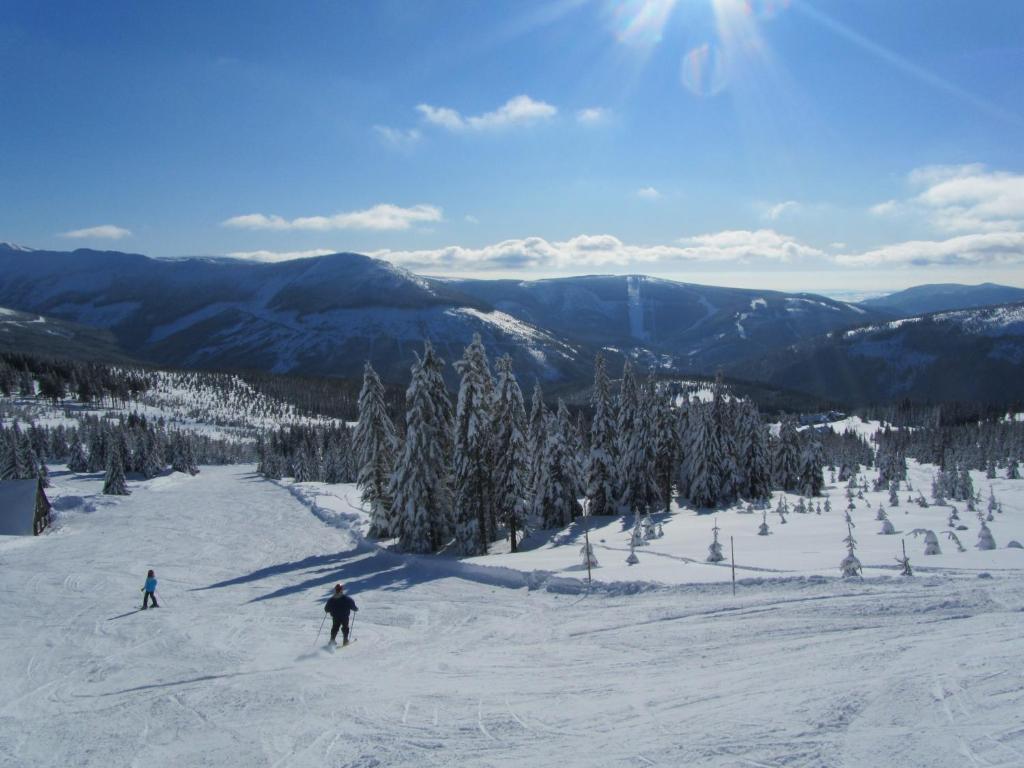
(308, 453)
(907, 413)
(115, 447)
(994, 447)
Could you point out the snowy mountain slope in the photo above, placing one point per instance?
(326, 315)
(922, 299)
(22, 331)
(680, 326)
(451, 671)
(972, 354)
(316, 316)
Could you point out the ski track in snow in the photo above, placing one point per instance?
(454, 672)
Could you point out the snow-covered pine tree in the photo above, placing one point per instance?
(752, 446)
(76, 455)
(375, 443)
(473, 452)
(115, 484)
(637, 460)
(703, 454)
(97, 449)
(555, 501)
(786, 464)
(723, 423)
(419, 484)
(985, 540)
(850, 566)
(602, 468)
(762, 529)
(812, 463)
(511, 468)
(666, 447)
(715, 548)
(536, 437)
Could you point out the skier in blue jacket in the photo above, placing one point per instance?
(339, 605)
(150, 590)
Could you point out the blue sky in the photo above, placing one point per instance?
(810, 144)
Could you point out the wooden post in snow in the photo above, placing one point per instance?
(732, 555)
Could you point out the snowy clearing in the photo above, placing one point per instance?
(455, 671)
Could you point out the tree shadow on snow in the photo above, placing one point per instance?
(368, 568)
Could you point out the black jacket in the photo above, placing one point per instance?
(339, 606)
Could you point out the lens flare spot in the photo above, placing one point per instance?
(704, 71)
(640, 22)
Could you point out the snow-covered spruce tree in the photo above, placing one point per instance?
(666, 447)
(931, 541)
(786, 464)
(115, 484)
(812, 462)
(555, 502)
(850, 566)
(704, 460)
(1013, 469)
(587, 556)
(473, 452)
(571, 440)
(76, 455)
(715, 548)
(632, 559)
(887, 527)
(536, 437)
(97, 449)
(752, 449)
(637, 461)
(723, 424)
(419, 484)
(511, 463)
(894, 495)
(602, 477)
(375, 443)
(762, 529)
(985, 540)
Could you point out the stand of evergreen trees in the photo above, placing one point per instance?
(483, 468)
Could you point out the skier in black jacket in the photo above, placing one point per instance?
(339, 605)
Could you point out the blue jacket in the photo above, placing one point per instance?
(150, 584)
(340, 606)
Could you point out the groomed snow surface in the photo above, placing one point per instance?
(462, 665)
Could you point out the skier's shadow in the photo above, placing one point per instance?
(137, 610)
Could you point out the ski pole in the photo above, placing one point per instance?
(320, 630)
(352, 629)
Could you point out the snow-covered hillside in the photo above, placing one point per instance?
(222, 406)
(464, 665)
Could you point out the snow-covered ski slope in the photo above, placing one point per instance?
(459, 671)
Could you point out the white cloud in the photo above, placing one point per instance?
(587, 251)
(105, 231)
(397, 137)
(965, 250)
(968, 198)
(962, 198)
(777, 211)
(648, 193)
(270, 256)
(471, 218)
(592, 115)
(519, 110)
(888, 208)
(379, 217)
